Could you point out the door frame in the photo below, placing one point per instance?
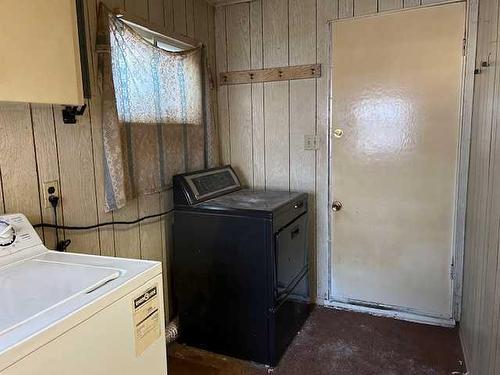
(456, 271)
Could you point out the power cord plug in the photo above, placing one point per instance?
(54, 201)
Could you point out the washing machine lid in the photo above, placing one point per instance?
(46, 295)
(32, 287)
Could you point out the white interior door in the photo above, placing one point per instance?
(396, 121)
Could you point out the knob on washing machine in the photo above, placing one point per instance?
(7, 234)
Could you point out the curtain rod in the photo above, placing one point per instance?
(171, 36)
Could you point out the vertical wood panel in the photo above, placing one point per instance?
(277, 140)
(464, 154)
(389, 4)
(17, 159)
(490, 247)
(472, 255)
(114, 4)
(127, 237)
(424, 2)
(256, 51)
(490, 361)
(167, 261)
(483, 136)
(212, 68)
(151, 229)
(156, 12)
(76, 167)
(240, 117)
(196, 134)
(363, 7)
(137, 8)
(488, 314)
(190, 17)
(180, 21)
(166, 204)
(275, 31)
(222, 91)
(47, 161)
(173, 141)
(276, 96)
(168, 7)
(211, 40)
(241, 132)
(411, 3)
(479, 327)
(346, 8)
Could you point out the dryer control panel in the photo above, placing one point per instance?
(199, 186)
(16, 234)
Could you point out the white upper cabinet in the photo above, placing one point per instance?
(40, 52)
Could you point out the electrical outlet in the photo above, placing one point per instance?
(310, 142)
(50, 188)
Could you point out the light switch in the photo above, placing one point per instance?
(310, 142)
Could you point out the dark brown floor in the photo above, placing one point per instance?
(336, 342)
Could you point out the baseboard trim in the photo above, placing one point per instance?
(400, 315)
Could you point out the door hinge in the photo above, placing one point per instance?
(452, 271)
(464, 47)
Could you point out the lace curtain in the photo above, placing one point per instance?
(153, 85)
(144, 89)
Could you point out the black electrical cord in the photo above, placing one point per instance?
(89, 227)
(56, 223)
(54, 201)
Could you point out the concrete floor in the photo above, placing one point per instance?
(339, 343)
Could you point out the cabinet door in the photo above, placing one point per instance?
(40, 56)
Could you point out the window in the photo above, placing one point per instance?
(155, 81)
(170, 45)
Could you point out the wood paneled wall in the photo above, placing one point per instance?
(262, 125)
(480, 323)
(36, 146)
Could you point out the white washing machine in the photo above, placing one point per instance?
(63, 313)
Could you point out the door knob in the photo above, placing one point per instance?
(338, 133)
(336, 206)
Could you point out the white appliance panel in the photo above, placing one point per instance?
(104, 344)
(32, 279)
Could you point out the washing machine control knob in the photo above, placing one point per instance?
(7, 234)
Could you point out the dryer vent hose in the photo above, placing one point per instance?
(172, 331)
